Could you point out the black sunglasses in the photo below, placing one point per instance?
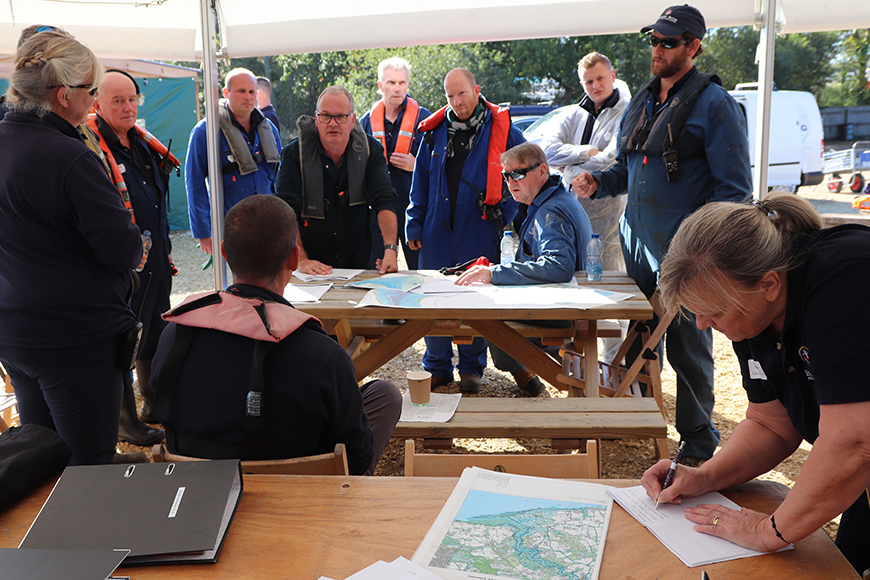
(91, 90)
(667, 43)
(518, 174)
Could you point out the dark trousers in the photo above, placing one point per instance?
(82, 402)
(382, 404)
(853, 535)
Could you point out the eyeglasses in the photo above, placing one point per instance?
(667, 43)
(91, 90)
(518, 174)
(325, 118)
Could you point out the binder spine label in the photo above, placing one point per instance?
(178, 495)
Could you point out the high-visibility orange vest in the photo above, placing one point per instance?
(406, 130)
(498, 136)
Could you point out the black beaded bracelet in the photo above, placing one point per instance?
(778, 535)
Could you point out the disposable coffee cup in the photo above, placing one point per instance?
(419, 385)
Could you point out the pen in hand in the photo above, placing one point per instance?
(669, 478)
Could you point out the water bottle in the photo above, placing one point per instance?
(594, 259)
(146, 247)
(508, 248)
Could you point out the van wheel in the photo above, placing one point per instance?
(835, 183)
(856, 184)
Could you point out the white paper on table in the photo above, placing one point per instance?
(519, 527)
(668, 523)
(399, 569)
(337, 274)
(401, 282)
(489, 296)
(440, 408)
(310, 293)
(433, 285)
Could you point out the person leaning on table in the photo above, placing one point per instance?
(773, 281)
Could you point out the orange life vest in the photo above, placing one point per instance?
(117, 178)
(406, 129)
(498, 136)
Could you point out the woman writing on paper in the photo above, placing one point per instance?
(783, 290)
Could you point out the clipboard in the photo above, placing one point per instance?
(164, 513)
(59, 564)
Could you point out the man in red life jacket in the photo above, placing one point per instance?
(458, 203)
(393, 121)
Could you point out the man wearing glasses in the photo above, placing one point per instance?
(682, 144)
(332, 176)
(553, 231)
(250, 149)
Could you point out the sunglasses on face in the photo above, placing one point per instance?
(518, 174)
(91, 90)
(667, 43)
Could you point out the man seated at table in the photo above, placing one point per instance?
(242, 374)
(553, 231)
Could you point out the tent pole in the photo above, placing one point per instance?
(765, 86)
(215, 178)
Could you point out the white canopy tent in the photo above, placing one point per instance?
(172, 30)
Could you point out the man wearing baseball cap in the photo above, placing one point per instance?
(682, 144)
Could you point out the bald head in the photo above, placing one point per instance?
(462, 92)
(241, 94)
(117, 102)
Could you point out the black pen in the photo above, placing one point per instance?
(670, 476)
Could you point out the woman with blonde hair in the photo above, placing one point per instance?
(67, 245)
(783, 289)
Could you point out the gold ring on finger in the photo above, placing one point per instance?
(716, 521)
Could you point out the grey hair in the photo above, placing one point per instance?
(395, 63)
(336, 90)
(45, 61)
(524, 154)
(726, 248)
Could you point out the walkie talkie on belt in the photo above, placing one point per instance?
(671, 159)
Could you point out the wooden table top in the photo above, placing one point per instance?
(340, 303)
(304, 527)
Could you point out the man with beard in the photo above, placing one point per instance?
(682, 144)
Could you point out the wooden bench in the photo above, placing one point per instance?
(566, 422)
(374, 330)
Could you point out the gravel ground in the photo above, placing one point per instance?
(626, 458)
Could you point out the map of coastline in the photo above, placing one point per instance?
(521, 537)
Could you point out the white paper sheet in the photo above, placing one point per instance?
(668, 523)
(309, 293)
(337, 274)
(440, 409)
(489, 296)
(398, 569)
(498, 525)
(403, 282)
(432, 285)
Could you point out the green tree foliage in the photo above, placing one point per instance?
(850, 85)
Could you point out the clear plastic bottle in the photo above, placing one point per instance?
(508, 247)
(146, 247)
(594, 259)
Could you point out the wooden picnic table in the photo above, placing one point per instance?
(337, 310)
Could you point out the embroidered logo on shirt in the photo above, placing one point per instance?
(804, 353)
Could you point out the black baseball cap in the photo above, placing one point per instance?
(679, 19)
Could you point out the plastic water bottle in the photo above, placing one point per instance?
(508, 247)
(594, 259)
(146, 247)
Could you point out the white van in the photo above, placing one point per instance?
(796, 135)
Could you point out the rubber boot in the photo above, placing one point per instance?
(130, 428)
(143, 375)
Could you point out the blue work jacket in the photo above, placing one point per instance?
(553, 235)
(428, 215)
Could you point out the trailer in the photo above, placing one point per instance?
(849, 162)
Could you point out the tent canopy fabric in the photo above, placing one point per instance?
(170, 29)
